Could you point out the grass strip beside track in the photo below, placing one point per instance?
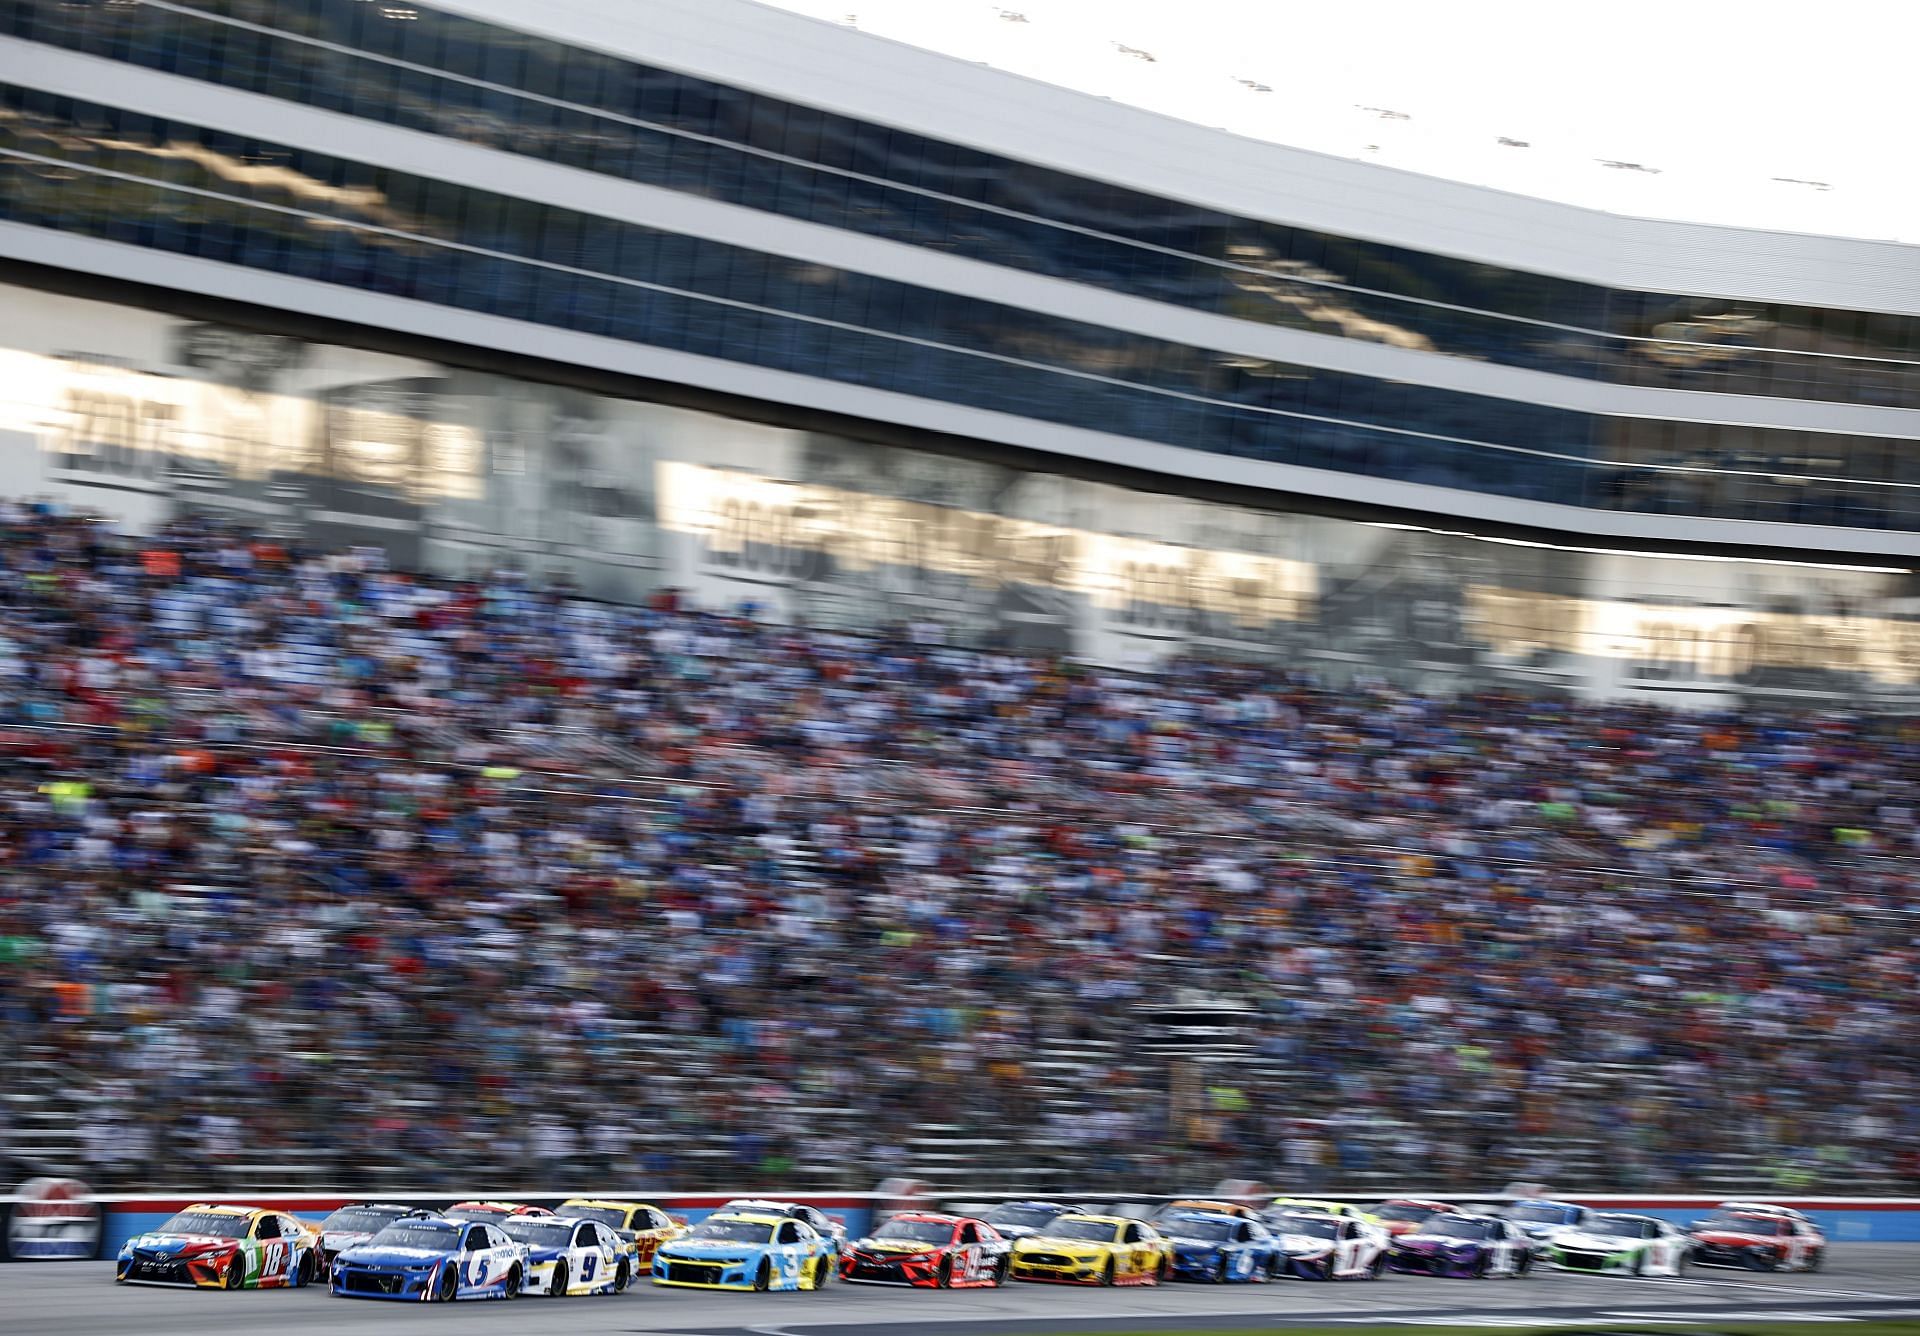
(1738, 1327)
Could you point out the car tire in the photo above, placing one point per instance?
(1108, 1276)
(557, 1288)
(622, 1277)
(1523, 1266)
(514, 1281)
(304, 1276)
(1220, 1273)
(1481, 1267)
(1000, 1269)
(1639, 1263)
(822, 1273)
(449, 1283)
(1815, 1258)
(763, 1278)
(943, 1278)
(235, 1276)
(1379, 1267)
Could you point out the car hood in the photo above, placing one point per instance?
(1305, 1245)
(393, 1256)
(1046, 1243)
(182, 1243)
(1736, 1236)
(1436, 1243)
(891, 1247)
(1574, 1238)
(702, 1248)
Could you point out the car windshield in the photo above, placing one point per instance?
(1317, 1226)
(358, 1220)
(212, 1223)
(1453, 1227)
(538, 1231)
(1020, 1217)
(1619, 1227)
(735, 1231)
(606, 1215)
(1538, 1215)
(1097, 1230)
(914, 1231)
(1402, 1211)
(1199, 1227)
(1744, 1224)
(407, 1234)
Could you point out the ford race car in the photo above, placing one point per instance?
(1627, 1245)
(1017, 1219)
(1474, 1246)
(832, 1230)
(929, 1251)
(432, 1260)
(642, 1228)
(567, 1256)
(1403, 1215)
(1211, 1245)
(1093, 1250)
(1758, 1239)
(222, 1247)
(491, 1211)
(356, 1224)
(744, 1250)
(1327, 1247)
(1540, 1218)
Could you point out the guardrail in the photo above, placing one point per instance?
(1843, 1219)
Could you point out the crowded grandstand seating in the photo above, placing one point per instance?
(317, 872)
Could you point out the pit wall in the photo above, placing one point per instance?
(1843, 1219)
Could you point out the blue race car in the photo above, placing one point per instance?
(1537, 1218)
(433, 1260)
(746, 1250)
(1221, 1248)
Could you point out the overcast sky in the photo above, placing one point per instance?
(1716, 98)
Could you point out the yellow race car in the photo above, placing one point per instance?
(1092, 1250)
(643, 1228)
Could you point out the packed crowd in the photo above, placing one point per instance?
(311, 861)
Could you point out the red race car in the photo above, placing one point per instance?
(1760, 1238)
(490, 1212)
(1403, 1215)
(933, 1252)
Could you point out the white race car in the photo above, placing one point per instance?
(566, 1255)
(1317, 1246)
(1615, 1243)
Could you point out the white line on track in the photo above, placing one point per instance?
(1782, 1291)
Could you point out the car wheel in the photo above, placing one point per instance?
(1523, 1266)
(449, 1282)
(1639, 1264)
(1379, 1267)
(943, 1279)
(514, 1281)
(622, 1277)
(763, 1278)
(1107, 1276)
(1220, 1273)
(558, 1288)
(1679, 1265)
(822, 1273)
(236, 1273)
(1000, 1271)
(1814, 1258)
(304, 1276)
(1480, 1267)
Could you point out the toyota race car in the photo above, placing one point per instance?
(1211, 1245)
(1093, 1250)
(567, 1256)
(1403, 1215)
(1760, 1239)
(222, 1247)
(1621, 1244)
(827, 1227)
(1316, 1246)
(642, 1228)
(351, 1225)
(492, 1211)
(1474, 1246)
(928, 1251)
(1540, 1218)
(433, 1260)
(1017, 1219)
(742, 1250)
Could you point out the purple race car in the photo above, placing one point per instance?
(1474, 1246)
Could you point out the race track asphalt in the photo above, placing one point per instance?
(1861, 1280)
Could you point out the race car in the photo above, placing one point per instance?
(356, 1224)
(832, 1230)
(1316, 1246)
(1281, 1205)
(1539, 1218)
(1017, 1219)
(642, 1228)
(1204, 1207)
(494, 1211)
(1621, 1244)
(1216, 1246)
(432, 1260)
(1093, 1250)
(746, 1250)
(568, 1255)
(222, 1247)
(1766, 1208)
(1758, 1238)
(929, 1251)
(1402, 1215)
(1473, 1246)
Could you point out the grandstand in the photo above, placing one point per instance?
(597, 604)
